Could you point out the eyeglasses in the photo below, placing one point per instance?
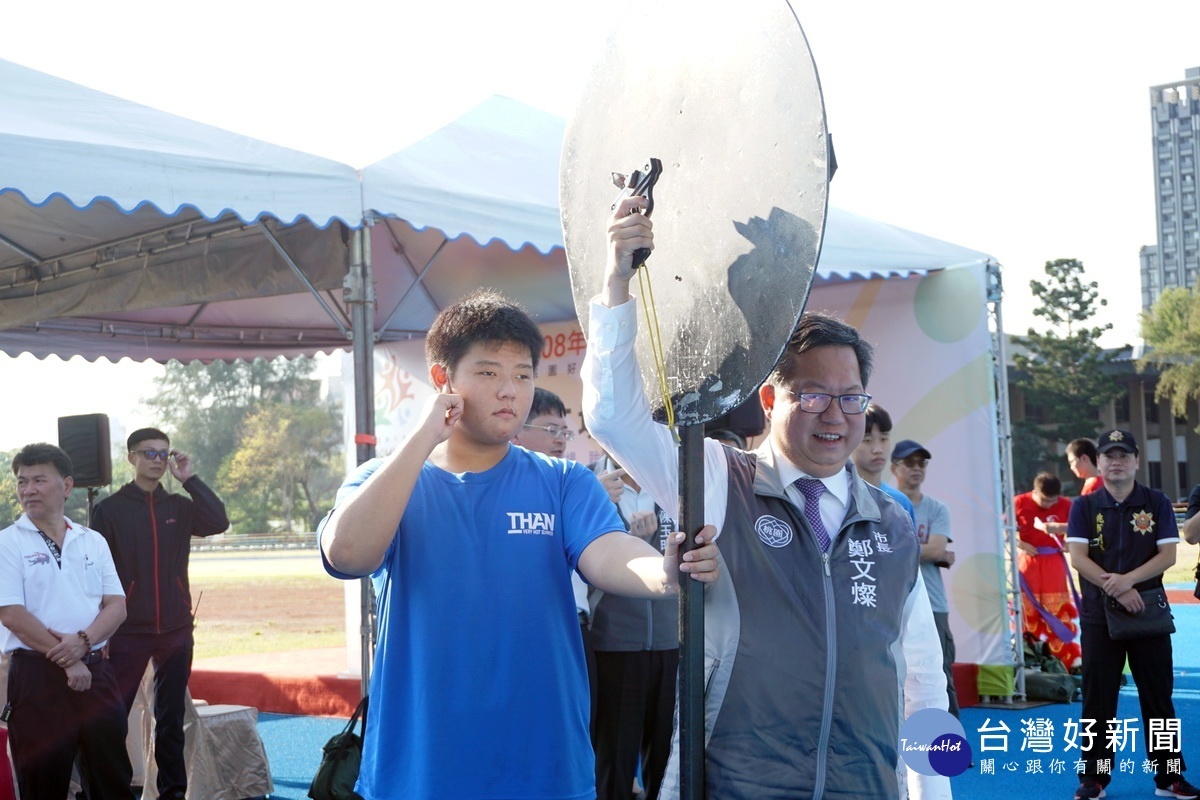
(555, 431)
(913, 462)
(818, 402)
(153, 455)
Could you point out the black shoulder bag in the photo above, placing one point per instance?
(1153, 620)
(340, 761)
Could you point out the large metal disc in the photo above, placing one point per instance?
(728, 98)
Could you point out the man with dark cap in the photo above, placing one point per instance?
(1122, 539)
(932, 519)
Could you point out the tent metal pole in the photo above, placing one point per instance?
(21, 251)
(417, 283)
(108, 262)
(211, 230)
(315, 292)
(359, 296)
(995, 300)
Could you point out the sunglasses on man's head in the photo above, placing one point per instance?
(153, 455)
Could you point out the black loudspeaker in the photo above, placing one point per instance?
(85, 439)
(747, 420)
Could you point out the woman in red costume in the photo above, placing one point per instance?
(1051, 613)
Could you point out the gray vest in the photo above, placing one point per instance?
(805, 699)
(627, 624)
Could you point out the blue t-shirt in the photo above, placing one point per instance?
(479, 688)
(901, 498)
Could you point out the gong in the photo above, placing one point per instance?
(727, 97)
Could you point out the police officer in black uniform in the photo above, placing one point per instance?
(1122, 538)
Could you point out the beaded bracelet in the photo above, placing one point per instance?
(83, 635)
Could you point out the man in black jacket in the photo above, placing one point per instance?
(149, 531)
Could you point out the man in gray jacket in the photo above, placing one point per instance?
(818, 634)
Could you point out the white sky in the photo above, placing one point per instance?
(1019, 129)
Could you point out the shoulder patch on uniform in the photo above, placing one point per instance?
(773, 531)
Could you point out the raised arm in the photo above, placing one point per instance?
(614, 403)
(209, 510)
(356, 535)
(628, 231)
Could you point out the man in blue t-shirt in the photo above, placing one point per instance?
(478, 687)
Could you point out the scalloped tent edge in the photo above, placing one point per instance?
(475, 203)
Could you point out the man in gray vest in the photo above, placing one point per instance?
(636, 642)
(818, 634)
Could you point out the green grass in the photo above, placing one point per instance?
(219, 640)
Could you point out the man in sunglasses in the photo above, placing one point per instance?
(818, 633)
(149, 531)
(932, 517)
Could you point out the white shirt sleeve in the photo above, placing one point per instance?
(110, 581)
(12, 580)
(618, 416)
(924, 681)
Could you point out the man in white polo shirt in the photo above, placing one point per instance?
(60, 600)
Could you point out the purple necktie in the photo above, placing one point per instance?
(812, 489)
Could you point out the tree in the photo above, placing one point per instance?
(288, 455)
(202, 405)
(1062, 370)
(10, 507)
(1171, 329)
(207, 410)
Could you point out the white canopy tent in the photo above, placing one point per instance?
(109, 206)
(128, 232)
